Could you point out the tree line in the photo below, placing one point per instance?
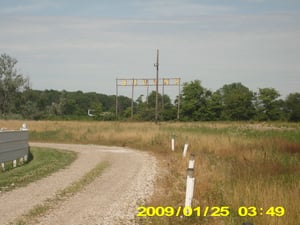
(232, 102)
(237, 102)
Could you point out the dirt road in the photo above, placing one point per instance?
(111, 198)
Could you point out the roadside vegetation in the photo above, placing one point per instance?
(44, 162)
(236, 163)
(231, 102)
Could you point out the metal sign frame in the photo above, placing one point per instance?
(147, 82)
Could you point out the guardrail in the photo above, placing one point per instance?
(14, 146)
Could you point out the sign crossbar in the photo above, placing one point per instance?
(148, 82)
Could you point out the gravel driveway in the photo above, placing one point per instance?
(112, 198)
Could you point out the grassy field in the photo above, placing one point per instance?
(45, 161)
(236, 164)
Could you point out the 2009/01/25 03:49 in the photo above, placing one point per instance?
(214, 211)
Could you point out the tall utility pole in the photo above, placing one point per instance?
(156, 96)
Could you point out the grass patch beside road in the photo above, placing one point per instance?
(45, 162)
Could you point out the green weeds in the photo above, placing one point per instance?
(45, 161)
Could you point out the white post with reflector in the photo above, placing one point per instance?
(185, 149)
(190, 183)
(173, 143)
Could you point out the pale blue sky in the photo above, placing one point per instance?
(86, 45)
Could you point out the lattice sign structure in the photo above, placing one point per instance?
(146, 82)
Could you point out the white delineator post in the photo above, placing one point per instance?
(173, 144)
(3, 166)
(192, 161)
(24, 128)
(185, 149)
(190, 182)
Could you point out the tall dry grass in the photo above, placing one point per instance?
(237, 164)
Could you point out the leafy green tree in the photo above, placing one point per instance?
(145, 110)
(293, 106)
(214, 106)
(11, 82)
(194, 101)
(27, 104)
(268, 105)
(237, 102)
(48, 100)
(169, 111)
(30, 110)
(70, 107)
(124, 106)
(109, 102)
(97, 110)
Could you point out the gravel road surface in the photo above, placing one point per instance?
(112, 198)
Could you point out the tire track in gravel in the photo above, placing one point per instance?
(109, 199)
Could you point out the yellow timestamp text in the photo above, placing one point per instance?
(214, 211)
